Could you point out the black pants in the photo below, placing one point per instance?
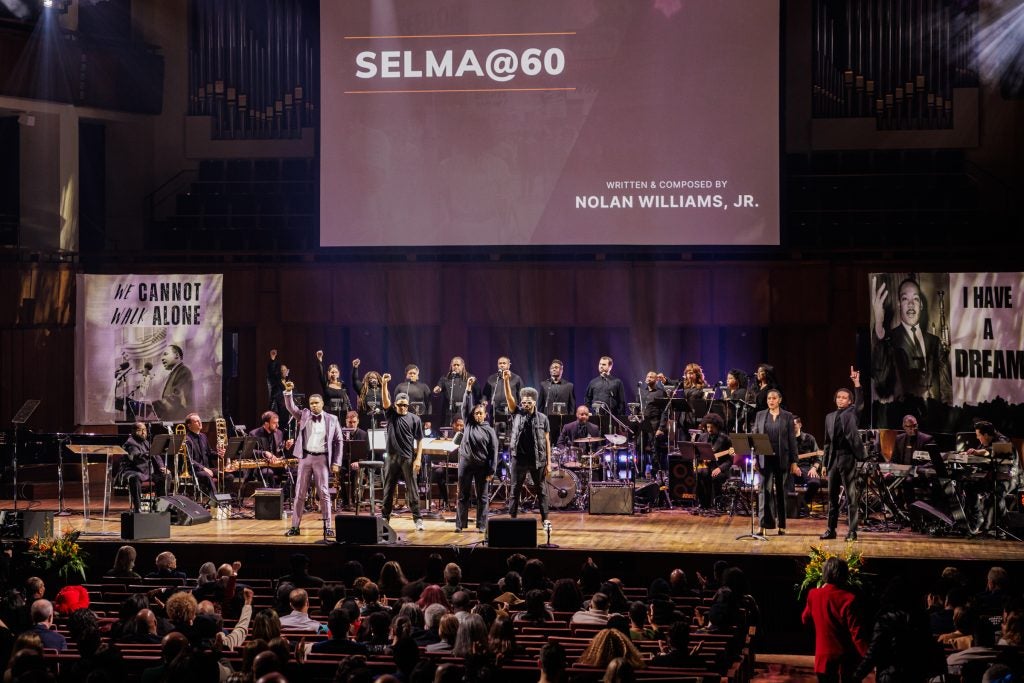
(400, 468)
(133, 480)
(709, 487)
(843, 473)
(469, 475)
(771, 501)
(439, 476)
(519, 479)
(813, 485)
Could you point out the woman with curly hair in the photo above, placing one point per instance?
(607, 645)
(371, 398)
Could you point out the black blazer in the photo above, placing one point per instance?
(847, 450)
(787, 442)
(899, 450)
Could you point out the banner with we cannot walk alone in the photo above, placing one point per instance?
(148, 347)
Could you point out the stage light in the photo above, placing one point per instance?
(47, 4)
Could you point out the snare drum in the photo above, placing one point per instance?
(562, 487)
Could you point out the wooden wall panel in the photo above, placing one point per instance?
(682, 295)
(741, 296)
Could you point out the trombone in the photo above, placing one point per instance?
(221, 425)
(182, 475)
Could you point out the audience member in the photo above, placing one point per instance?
(42, 620)
(605, 646)
(838, 641)
(596, 614)
(167, 568)
(339, 643)
(552, 662)
(448, 630)
(452, 579)
(172, 645)
(392, 580)
(124, 564)
(566, 596)
(298, 619)
(299, 575)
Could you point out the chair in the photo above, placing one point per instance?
(368, 472)
(113, 483)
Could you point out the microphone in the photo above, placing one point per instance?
(639, 382)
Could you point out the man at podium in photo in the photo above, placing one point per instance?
(177, 396)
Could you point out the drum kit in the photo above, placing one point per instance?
(574, 468)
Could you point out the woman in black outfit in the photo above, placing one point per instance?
(335, 394)
(764, 381)
(371, 399)
(478, 456)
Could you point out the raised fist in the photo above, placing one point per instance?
(386, 377)
(289, 385)
(355, 362)
(273, 354)
(320, 355)
(506, 374)
(471, 381)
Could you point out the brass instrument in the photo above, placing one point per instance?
(182, 455)
(221, 426)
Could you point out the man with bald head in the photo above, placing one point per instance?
(173, 644)
(298, 619)
(42, 620)
(144, 629)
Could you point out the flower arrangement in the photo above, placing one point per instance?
(60, 556)
(816, 560)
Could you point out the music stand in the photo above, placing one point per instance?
(20, 418)
(758, 446)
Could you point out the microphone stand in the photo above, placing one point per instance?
(547, 533)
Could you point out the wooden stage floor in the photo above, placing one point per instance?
(668, 531)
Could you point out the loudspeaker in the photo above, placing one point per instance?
(184, 511)
(139, 525)
(682, 484)
(646, 493)
(36, 523)
(512, 533)
(363, 530)
(611, 499)
(269, 503)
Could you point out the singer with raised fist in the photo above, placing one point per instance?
(405, 453)
(318, 447)
(529, 445)
(478, 458)
(371, 397)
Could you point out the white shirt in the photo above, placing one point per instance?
(316, 435)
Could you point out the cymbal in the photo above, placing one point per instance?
(615, 439)
(589, 439)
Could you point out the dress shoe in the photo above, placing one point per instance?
(851, 536)
(828, 535)
(760, 531)
(782, 532)
(328, 532)
(458, 529)
(294, 531)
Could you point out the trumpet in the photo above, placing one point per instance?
(221, 425)
(184, 474)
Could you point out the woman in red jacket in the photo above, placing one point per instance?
(839, 644)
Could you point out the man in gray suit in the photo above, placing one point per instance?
(317, 446)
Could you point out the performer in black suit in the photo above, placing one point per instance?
(907, 360)
(203, 459)
(277, 375)
(909, 441)
(177, 396)
(335, 393)
(452, 389)
(350, 468)
(138, 466)
(478, 458)
(557, 391)
(711, 478)
(495, 395)
(418, 391)
(778, 425)
(606, 389)
(843, 450)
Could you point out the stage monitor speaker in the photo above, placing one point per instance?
(611, 499)
(363, 530)
(269, 503)
(646, 493)
(512, 533)
(136, 526)
(682, 483)
(934, 513)
(184, 511)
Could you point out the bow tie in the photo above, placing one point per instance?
(316, 418)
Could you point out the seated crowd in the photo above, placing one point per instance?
(525, 626)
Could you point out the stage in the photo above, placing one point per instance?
(677, 531)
